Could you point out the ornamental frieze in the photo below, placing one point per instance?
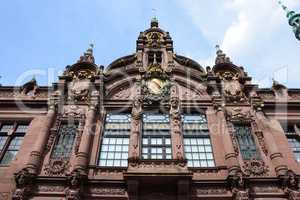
(105, 190)
(209, 190)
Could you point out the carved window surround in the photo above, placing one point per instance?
(59, 166)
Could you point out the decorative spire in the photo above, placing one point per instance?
(154, 21)
(88, 55)
(293, 19)
(221, 57)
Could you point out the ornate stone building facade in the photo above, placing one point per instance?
(151, 125)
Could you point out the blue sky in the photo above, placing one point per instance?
(42, 37)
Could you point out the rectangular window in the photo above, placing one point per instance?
(293, 139)
(115, 142)
(10, 141)
(197, 145)
(64, 141)
(243, 134)
(156, 143)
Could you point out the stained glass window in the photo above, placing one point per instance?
(197, 144)
(156, 142)
(64, 141)
(243, 134)
(115, 142)
(10, 140)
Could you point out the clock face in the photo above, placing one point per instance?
(155, 85)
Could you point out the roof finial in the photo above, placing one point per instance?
(88, 55)
(221, 57)
(294, 19)
(154, 21)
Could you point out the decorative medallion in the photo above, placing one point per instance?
(256, 168)
(57, 167)
(155, 84)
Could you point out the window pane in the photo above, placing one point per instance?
(246, 142)
(5, 128)
(116, 140)
(295, 146)
(22, 128)
(64, 141)
(197, 145)
(156, 136)
(12, 150)
(2, 141)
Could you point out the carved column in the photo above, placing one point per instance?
(36, 154)
(176, 133)
(82, 157)
(134, 150)
(230, 152)
(275, 155)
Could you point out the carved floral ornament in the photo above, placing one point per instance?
(256, 168)
(57, 167)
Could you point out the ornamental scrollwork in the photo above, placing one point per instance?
(57, 167)
(255, 168)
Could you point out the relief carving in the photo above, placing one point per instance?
(255, 168)
(73, 111)
(232, 88)
(209, 190)
(24, 182)
(57, 167)
(50, 188)
(79, 90)
(75, 181)
(239, 114)
(108, 190)
(4, 196)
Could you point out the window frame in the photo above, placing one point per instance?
(11, 134)
(163, 137)
(57, 137)
(292, 135)
(257, 150)
(103, 136)
(197, 134)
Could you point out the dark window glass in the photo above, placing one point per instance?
(156, 142)
(115, 142)
(12, 150)
(246, 142)
(10, 141)
(197, 145)
(64, 141)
